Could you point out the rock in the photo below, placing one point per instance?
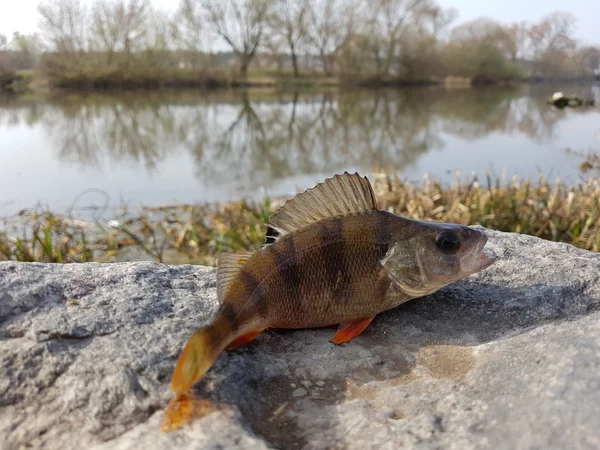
(560, 100)
(300, 392)
(508, 358)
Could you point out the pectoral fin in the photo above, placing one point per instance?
(244, 339)
(349, 331)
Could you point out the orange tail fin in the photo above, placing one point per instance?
(197, 357)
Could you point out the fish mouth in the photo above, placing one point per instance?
(477, 260)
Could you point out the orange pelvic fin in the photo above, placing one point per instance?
(350, 330)
(244, 339)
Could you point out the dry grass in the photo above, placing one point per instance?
(553, 212)
(196, 234)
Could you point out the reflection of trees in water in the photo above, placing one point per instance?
(15, 111)
(247, 139)
(298, 135)
(393, 127)
(475, 113)
(89, 129)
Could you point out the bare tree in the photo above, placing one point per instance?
(419, 44)
(3, 42)
(63, 25)
(289, 22)
(191, 33)
(517, 38)
(551, 39)
(331, 23)
(29, 48)
(240, 23)
(388, 21)
(275, 45)
(479, 49)
(588, 59)
(160, 38)
(191, 27)
(119, 27)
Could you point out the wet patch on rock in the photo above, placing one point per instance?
(446, 361)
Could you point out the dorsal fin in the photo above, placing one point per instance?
(340, 195)
(228, 267)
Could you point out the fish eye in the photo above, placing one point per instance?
(448, 241)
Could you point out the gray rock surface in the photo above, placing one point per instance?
(509, 358)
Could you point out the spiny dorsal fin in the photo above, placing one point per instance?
(340, 195)
(228, 267)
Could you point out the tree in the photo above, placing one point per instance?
(289, 22)
(275, 45)
(119, 27)
(3, 42)
(331, 23)
(240, 23)
(190, 32)
(478, 49)
(191, 25)
(419, 45)
(63, 25)
(160, 38)
(517, 40)
(29, 48)
(588, 59)
(551, 41)
(387, 24)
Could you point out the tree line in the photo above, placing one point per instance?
(410, 40)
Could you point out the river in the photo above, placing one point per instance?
(151, 148)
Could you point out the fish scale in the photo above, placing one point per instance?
(335, 269)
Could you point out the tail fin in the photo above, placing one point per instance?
(197, 357)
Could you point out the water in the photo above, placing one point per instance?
(154, 148)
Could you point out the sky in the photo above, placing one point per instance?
(21, 15)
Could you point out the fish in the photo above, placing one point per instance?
(331, 257)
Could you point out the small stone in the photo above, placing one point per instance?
(320, 383)
(306, 383)
(300, 392)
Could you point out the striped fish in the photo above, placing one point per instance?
(331, 257)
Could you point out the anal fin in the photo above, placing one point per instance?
(244, 339)
(349, 331)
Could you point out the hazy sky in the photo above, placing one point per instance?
(21, 15)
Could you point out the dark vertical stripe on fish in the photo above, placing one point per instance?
(228, 312)
(333, 253)
(254, 291)
(286, 259)
(382, 236)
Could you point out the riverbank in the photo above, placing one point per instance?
(35, 81)
(179, 234)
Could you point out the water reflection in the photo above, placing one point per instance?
(250, 139)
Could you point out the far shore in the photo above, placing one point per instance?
(36, 81)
